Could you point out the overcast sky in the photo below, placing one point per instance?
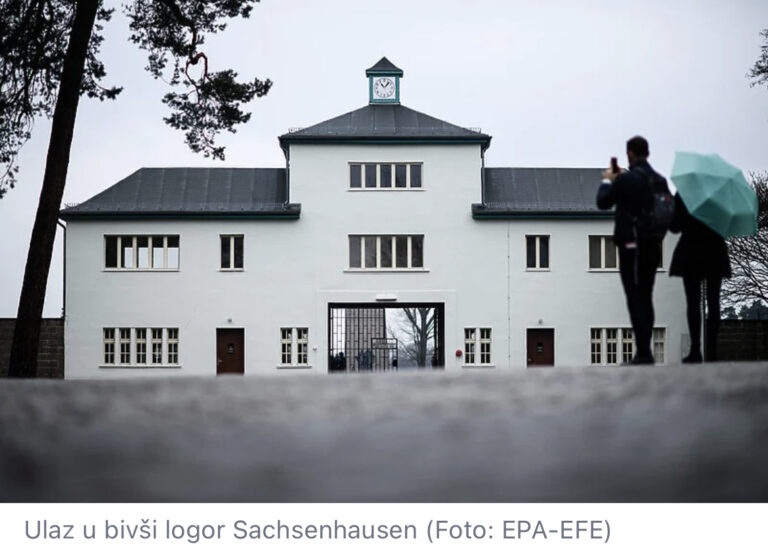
(557, 83)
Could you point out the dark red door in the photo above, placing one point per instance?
(541, 347)
(230, 351)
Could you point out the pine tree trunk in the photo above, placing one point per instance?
(26, 337)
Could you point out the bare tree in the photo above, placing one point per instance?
(759, 71)
(49, 57)
(419, 326)
(749, 255)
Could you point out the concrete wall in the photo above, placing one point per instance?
(50, 357)
(294, 269)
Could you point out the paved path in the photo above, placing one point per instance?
(615, 434)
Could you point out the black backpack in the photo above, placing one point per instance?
(654, 220)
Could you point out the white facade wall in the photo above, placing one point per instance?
(295, 268)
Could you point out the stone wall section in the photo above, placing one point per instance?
(51, 354)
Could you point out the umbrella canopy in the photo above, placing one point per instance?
(716, 193)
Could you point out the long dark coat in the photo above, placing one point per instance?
(701, 253)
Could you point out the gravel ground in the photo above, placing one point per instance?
(642, 434)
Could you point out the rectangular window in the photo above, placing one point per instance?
(659, 345)
(376, 252)
(128, 252)
(370, 175)
(355, 251)
(597, 346)
(477, 346)
(157, 346)
(386, 251)
(385, 176)
(294, 346)
(401, 175)
(139, 356)
(354, 176)
(470, 341)
(172, 252)
(612, 346)
(401, 251)
(231, 252)
(173, 346)
(141, 346)
(142, 247)
(416, 175)
(627, 345)
(109, 346)
(286, 345)
(158, 251)
(603, 253)
(125, 346)
(537, 252)
(485, 346)
(110, 260)
(370, 253)
(607, 345)
(301, 346)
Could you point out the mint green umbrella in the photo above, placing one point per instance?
(716, 193)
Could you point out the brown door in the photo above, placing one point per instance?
(541, 347)
(230, 351)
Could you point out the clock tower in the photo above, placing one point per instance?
(384, 83)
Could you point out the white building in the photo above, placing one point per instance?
(194, 271)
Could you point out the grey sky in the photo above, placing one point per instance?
(555, 82)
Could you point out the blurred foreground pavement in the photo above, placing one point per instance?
(659, 434)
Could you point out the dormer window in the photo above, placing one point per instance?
(385, 176)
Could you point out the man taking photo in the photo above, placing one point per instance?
(639, 253)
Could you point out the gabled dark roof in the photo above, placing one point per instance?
(390, 123)
(539, 192)
(384, 66)
(191, 192)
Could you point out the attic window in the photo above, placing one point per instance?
(385, 176)
(127, 252)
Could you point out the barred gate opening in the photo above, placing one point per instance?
(383, 337)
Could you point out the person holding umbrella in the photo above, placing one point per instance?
(713, 201)
(701, 256)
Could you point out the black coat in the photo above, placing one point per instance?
(630, 193)
(701, 253)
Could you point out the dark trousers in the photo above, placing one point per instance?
(638, 273)
(693, 303)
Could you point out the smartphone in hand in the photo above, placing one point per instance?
(615, 165)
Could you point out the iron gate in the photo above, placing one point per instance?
(358, 340)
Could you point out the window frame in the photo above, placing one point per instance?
(478, 349)
(392, 187)
(601, 267)
(233, 238)
(125, 338)
(659, 357)
(108, 346)
(119, 267)
(620, 345)
(393, 256)
(117, 347)
(537, 253)
(294, 347)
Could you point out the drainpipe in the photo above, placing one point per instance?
(482, 176)
(287, 177)
(64, 280)
(509, 295)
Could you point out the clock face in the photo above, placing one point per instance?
(384, 88)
